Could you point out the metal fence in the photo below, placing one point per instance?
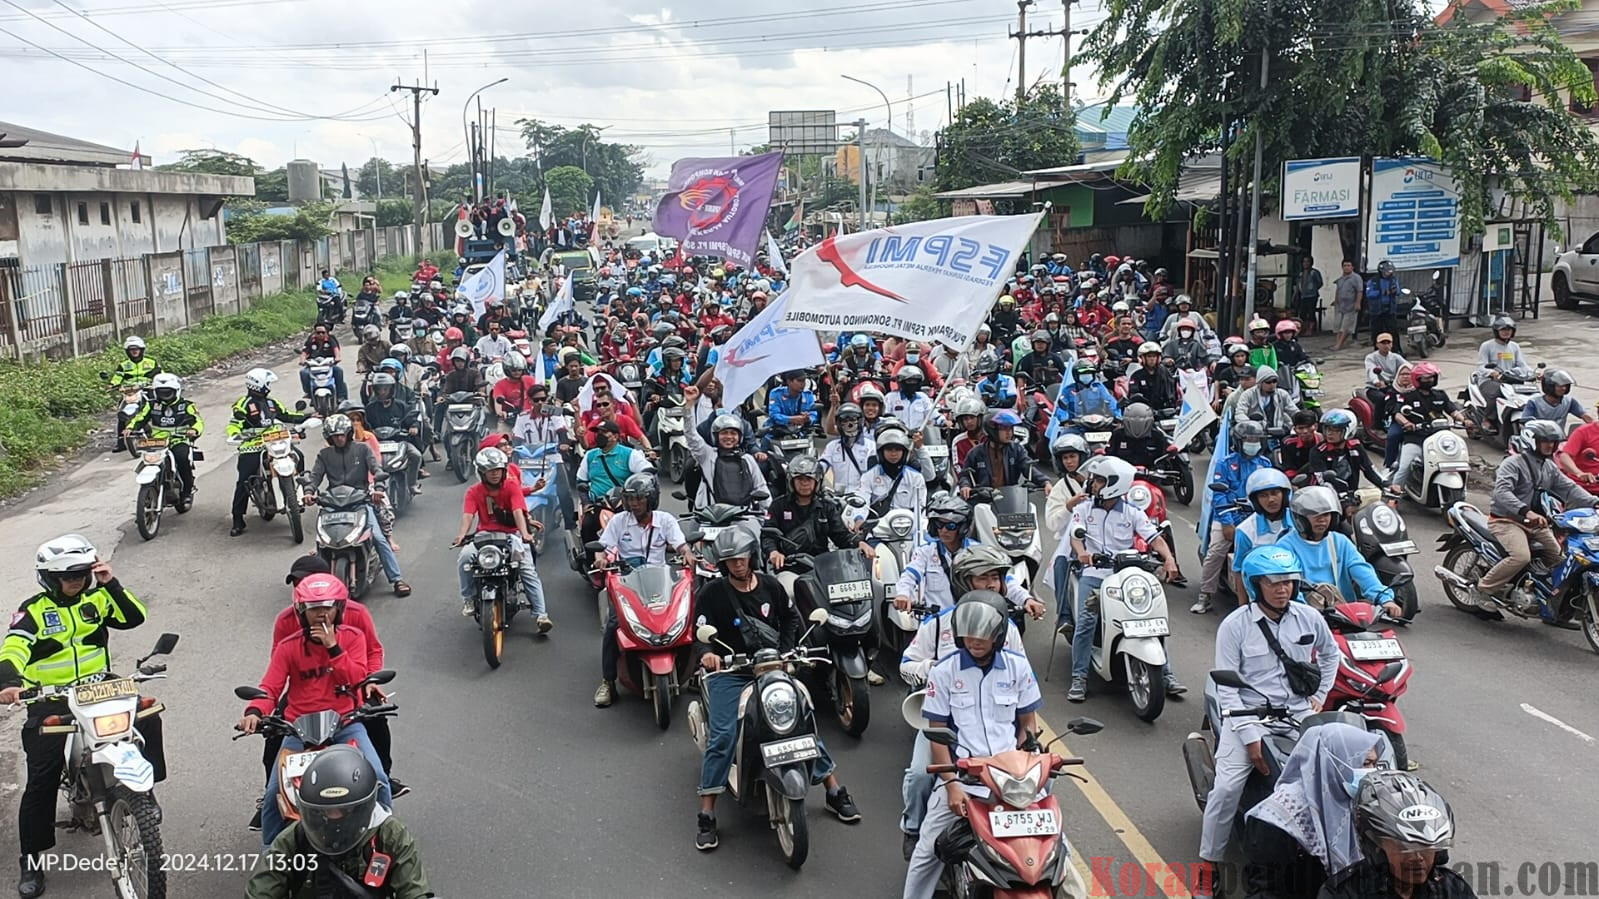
(78, 308)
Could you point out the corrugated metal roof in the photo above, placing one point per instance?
(42, 146)
(1004, 190)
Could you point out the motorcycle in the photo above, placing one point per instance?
(329, 308)
(1173, 470)
(108, 782)
(576, 549)
(324, 397)
(1383, 540)
(631, 373)
(840, 584)
(159, 485)
(497, 590)
(1132, 630)
(669, 436)
(134, 394)
(653, 607)
(938, 450)
(1372, 437)
(1367, 683)
(1096, 429)
(776, 739)
(1025, 852)
(1004, 517)
(1568, 592)
(1424, 322)
(1147, 495)
(1307, 383)
(894, 534)
(344, 537)
(1516, 387)
(464, 427)
(276, 487)
(363, 313)
(1437, 480)
(397, 465)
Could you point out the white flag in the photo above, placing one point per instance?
(932, 280)
(594, 220)
(774, 256)
(762, 349)
(546, 212)
(561, 303)
(1196, 412)
(486, 285)
(138, 161)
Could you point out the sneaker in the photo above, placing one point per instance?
(1174, 687)
(875, 679)
(1201, 605)
(844, 807)
(468, 608)
(1066, 629)
(603, 695)
(1565, 624)
(907, 844)
(397, 787)
(236, 530)
(1178, 581)
(255, 820)
(545, 624)
(706, 839)
(1078, 691)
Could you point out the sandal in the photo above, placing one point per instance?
(401, 588)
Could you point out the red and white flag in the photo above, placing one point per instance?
(138, 161)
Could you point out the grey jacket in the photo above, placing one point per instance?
(1283, 407)
(1519, 480)
(354, 466)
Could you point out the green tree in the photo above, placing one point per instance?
(273, 186)
(615, 168)
(921, 206)
(380, 171)
(571, 191)
(993, 140)
(248, 221)
(394, 212)
(212, 162)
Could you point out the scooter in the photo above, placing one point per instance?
(159, 485)
(329, 308)
(653, 605)
(1004, 517)
(840, 584)
(464, 429)
(670, 438)
(776, 739)
(938, 450)
(541, 470)
(1367, 683)
(1146, 495)
(397, 464)
(1437, 480)
(1024, 851)
(1307, 380)
(1372, 437)
(324, 399)
(363, 313)
(1383, 540)
(1424, 322)
(1132, 630)
(1516, 387)
(344, 537)
(893, 534)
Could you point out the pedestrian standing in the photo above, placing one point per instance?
(1307, 296)
(1347, 293)
(1382, 300)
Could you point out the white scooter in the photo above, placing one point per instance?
(895, 534)
(1133, 626)
(1005, 517)
(1516, 387)
(1438, 479)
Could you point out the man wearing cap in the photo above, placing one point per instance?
(1382, 366)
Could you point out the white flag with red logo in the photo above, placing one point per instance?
(761, 349)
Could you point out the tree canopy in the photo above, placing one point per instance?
(992, 140)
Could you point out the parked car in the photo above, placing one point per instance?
(1576, 274)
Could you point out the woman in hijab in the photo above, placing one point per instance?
(1305, 830)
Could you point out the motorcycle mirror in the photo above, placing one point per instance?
(299, 405)
(817, 616)
(1228, 678)
(1437, 274)
(1084, 726)
(705, 633)
(249, 694)
(943, 736)
(165, 644)
(380, 676)
(1217, 487)
(1389, 672)
(595, 546)
(1081, 533)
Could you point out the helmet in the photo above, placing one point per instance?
(1234, 347)
(987, 365)
(1121, 307)
(945, 507)
(260, 380)
(860, 342)
(67, 554)
(381, 380)
(1502, 322)
(335, 425)
(1040, 334)
(1246, 431)
(1160, 272)
(489, 459)
(1401, 807)
(1337, 420)
(337, 799)
(910, 374)
(1007, 300)
(1275, 563)
(981, 614)
(402, 295)
(1553, 380)
(351, 407)
(805, 466)
(1084, 372)
(514, 364)
(134, 342)
(370, 332)
(848, 413)
(891, 437)
(1118, 474)
(1310, 502)
(1066, 443)
(1258, 324)
(870, 392)
(1385, 268)
(320, 590)
(460, 353)
(1052, 319)
(735, 543)
(727, 422)
(1148, 347)
(970, 406)
(642, 485)
(1424, 370)
(454, 333)
(1537, 431)
(974, 560)
(393, 366)
(1004, 418)
(167, 387)
(1186, 324)
(1112, 261)
(1287, 327)
(1138, 421)
(1266, 479)
(1184, 299)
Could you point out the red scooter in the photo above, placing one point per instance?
(654, 605)
(1373, 670)
(1147, 495)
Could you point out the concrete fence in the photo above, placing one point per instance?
(79, 308)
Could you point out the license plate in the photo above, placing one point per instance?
(782, 752)
(1417, 329)
(1400, 548)
(1014, 520)
(389, 449)
(711, 533)
(1098, 436)
(158, 443)
(275, 434)
(106, 689)
(1375, 650)
(850, 590)
(295, 764)
(937, 450)
(1037, 822)
(1146, 627)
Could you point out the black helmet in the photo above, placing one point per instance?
(735, 542)
(1247, 430)
(947, 508)
(981, 614)
(1402, 807)
(986, 366)
(1085, 367)
(1537, 431)
(338, 794)
(805, 466)
(1554, 379)
(910, 376)
(642, 485)
(1138, 421)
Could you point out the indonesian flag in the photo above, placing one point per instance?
(138, 161)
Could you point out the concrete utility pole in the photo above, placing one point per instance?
(860, 151)
(1021, 35)
(1065, 34)
(420, 194)
(1254, 197)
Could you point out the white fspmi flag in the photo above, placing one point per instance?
(774, 256)
(1196, 412)
(932, 280)
(487, 284)
(762, 349)
(561, 303)
(546, 212)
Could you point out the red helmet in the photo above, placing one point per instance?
(1424, 370)
(453, 334)
(320, 591)
(1112, 261)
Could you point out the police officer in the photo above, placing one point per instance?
(170, 415)
(59, 636)
(138, 369)
(253, 412)
(791, 407)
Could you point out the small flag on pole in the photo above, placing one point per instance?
(138, 161)
(546, 212)
(594, 220)
(774, 255)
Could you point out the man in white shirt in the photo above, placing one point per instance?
(892, 483)
(849, 455)
(493, 345)
(909, 404)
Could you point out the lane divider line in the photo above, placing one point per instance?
(1545, 716)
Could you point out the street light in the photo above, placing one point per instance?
(467, 133)
(890, 107)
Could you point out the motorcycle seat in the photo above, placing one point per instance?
(1472, 517)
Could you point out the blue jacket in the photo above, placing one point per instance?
(1351, 571)
(998, 390)
(1234, 470)
(1094, 399)
(978, 468)
(1382, 295)
(780, 404)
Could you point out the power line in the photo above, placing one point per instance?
(145, 8)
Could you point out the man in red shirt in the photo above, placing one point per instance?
(495, 504)
(510, 392)
(1579, 456)
(604, 409)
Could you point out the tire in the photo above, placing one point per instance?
(1457, 562)
(268, 504)
(662, 700)
(1401, 751)
(1145, 687)
(1588, 618)
(148, 515)
(852, 702)
(400, 497)
(1563, 296)
(1409, 601)
(788, 819)
(460, 460)
(291, 509)
(135, 821)
(491, 620)
(676, 463)
(1183, 490)
(1507, 430)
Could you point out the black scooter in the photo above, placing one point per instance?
(840, 585)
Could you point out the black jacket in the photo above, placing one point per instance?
(764, 618)
(1369, 879)
(810, 526)
(1276, 866)
(979, 466)
(1157, 387)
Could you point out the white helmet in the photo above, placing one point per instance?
(1149, 346)
(260, 380)
(166, 381)
(134, 341)
(67, 553)
(1118, 474)
(514, 363)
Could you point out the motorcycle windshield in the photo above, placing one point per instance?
(389, 433)
(652, 584)
(343, 499)
(843, 566)
(317, 728)
(1011, 507)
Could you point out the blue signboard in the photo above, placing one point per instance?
(1415, 215)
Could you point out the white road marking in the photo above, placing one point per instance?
(1545, 716)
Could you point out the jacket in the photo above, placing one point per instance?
(354, 466)
(780, 404)
(1077, 400)
(252, 413)
(1234, 470)
(1382, 296)
(977, 468)
(310, 674)
(1283, 407)
(1369, 879)
(54, 641)
(1157, 387)
(138, 372)
(997, 391)
(168, 419)
(1521, 478)
(705, 455)
(816, 527)
(281, 876)
(397, 414)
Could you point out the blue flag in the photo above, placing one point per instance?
(1223, 445)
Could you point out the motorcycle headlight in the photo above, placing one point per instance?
(1018, 792)
(780, 704)
(843, 623)
(1013, 538)
(1139, 594)
(490, 558)
(1449, 444)
(111, 725)
(901, 526)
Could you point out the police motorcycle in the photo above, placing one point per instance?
(1130, 639)
(776, 739)
(465, 426)
(1005, 517)
(135, 392)
(108, 782)
(324, 398)
(344, 537)
(157, 478)
(1568, 592)
(1516, 387)
(276, 486)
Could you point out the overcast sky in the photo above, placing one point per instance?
(673, 79)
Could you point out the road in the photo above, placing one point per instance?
(523, 788)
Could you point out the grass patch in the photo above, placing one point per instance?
(395, 273)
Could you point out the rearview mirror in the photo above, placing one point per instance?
(943, 736)
(1228, 678)
(1084, 726)
(299, 405)
(705, 633)
(165, 644)
(381, 676)
(249, 694)
(817, 616)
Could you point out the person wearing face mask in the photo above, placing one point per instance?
(1305, 830)
(1086, 396)
(848, 455)
(1229, 504)
(1183, 311)
(1405, 829)
(1326, 555)
(1186, 349)
(1042, 366)
(916, 357)
(604, 468)
(1267, 404)
(908, 403)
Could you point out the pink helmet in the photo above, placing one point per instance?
(320, 590)
(1287, 326)
(1424, 370)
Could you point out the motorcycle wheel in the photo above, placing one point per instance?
(291, 509)
(1145, 687)
(148, 515)
(135, 821)
(788, 819)
(1589, 619)
(1409, 601)
(676, 463)
(178, 502)
(1183, 490)
(1401, 751)
(852, 702)
(662, 700)
(265, 502)
(1464, 561)
(491, 619)
(460, 460)
(400, 496)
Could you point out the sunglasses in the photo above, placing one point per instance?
(949, 526)
(602, 405)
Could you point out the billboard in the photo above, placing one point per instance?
(1321, 188)
(1415, 215)
(803, 132)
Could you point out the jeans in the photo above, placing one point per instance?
(1390, 452)
(391, 563)
(339, 391)
(1087, 626)
(1064, 600)
(917, 786)
(272, 822)
(1409, 454)
(531, 585)
(722, 692)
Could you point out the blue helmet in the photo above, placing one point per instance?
(1268, 479)
(1273, 562)
(635, 291)
(394, 365)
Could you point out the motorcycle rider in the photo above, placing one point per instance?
(1086, 396)
(1289, 353)
(1152, 381)
(1043, 366)
(812, 522)
(1269, 493)
(1339, 455)
(892, 482)
(1325, 555)
(386, 410)
(1005, 320)
(1111, 524)
(1261, 349)
(988, 694)
(728, 474)
(323, 345)
(1186, 349)
(750, 611)
(1275, 407)
(848, 455)
(347, 462)
(1138, 440)
(1252, 640)
(641, 534)
(1415, 408)
(58, 636)
(168, 414)
(1069, 453)
(1230, 375)
(344, 838)
(994, 387)
(493, 344)
(1495, 356)
(510, 392)
(374, 349)
(1293, 454)
(969, 413)
(1382, 367)
(1556, 404)
(253, 412)
(1382, 300)
(497, 505)
(1000, 461)
(1405, 828)
(908, 403)
(136, 370)
(605, 467)
(1232, 474)
(791, 408)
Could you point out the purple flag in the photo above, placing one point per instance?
(717, 206)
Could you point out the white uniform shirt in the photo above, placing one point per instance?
(911, 493)
(1241, 647)
(926, 576)
(1254, 532)
(491, 347)
(982, 706)
(935, 641)
(848, 463)
(1110, 531)
(915, 412)
(627, 538)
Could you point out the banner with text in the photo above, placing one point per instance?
(1196, 414)
(932, 280)
(1415, 215)
(762, 349)
(1321, 188)
(717, 206)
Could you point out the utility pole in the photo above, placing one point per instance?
(1021, 35)
(1254, 198)
(1066, 59)
(1065, 34)
(860, 152)
(420, 194)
